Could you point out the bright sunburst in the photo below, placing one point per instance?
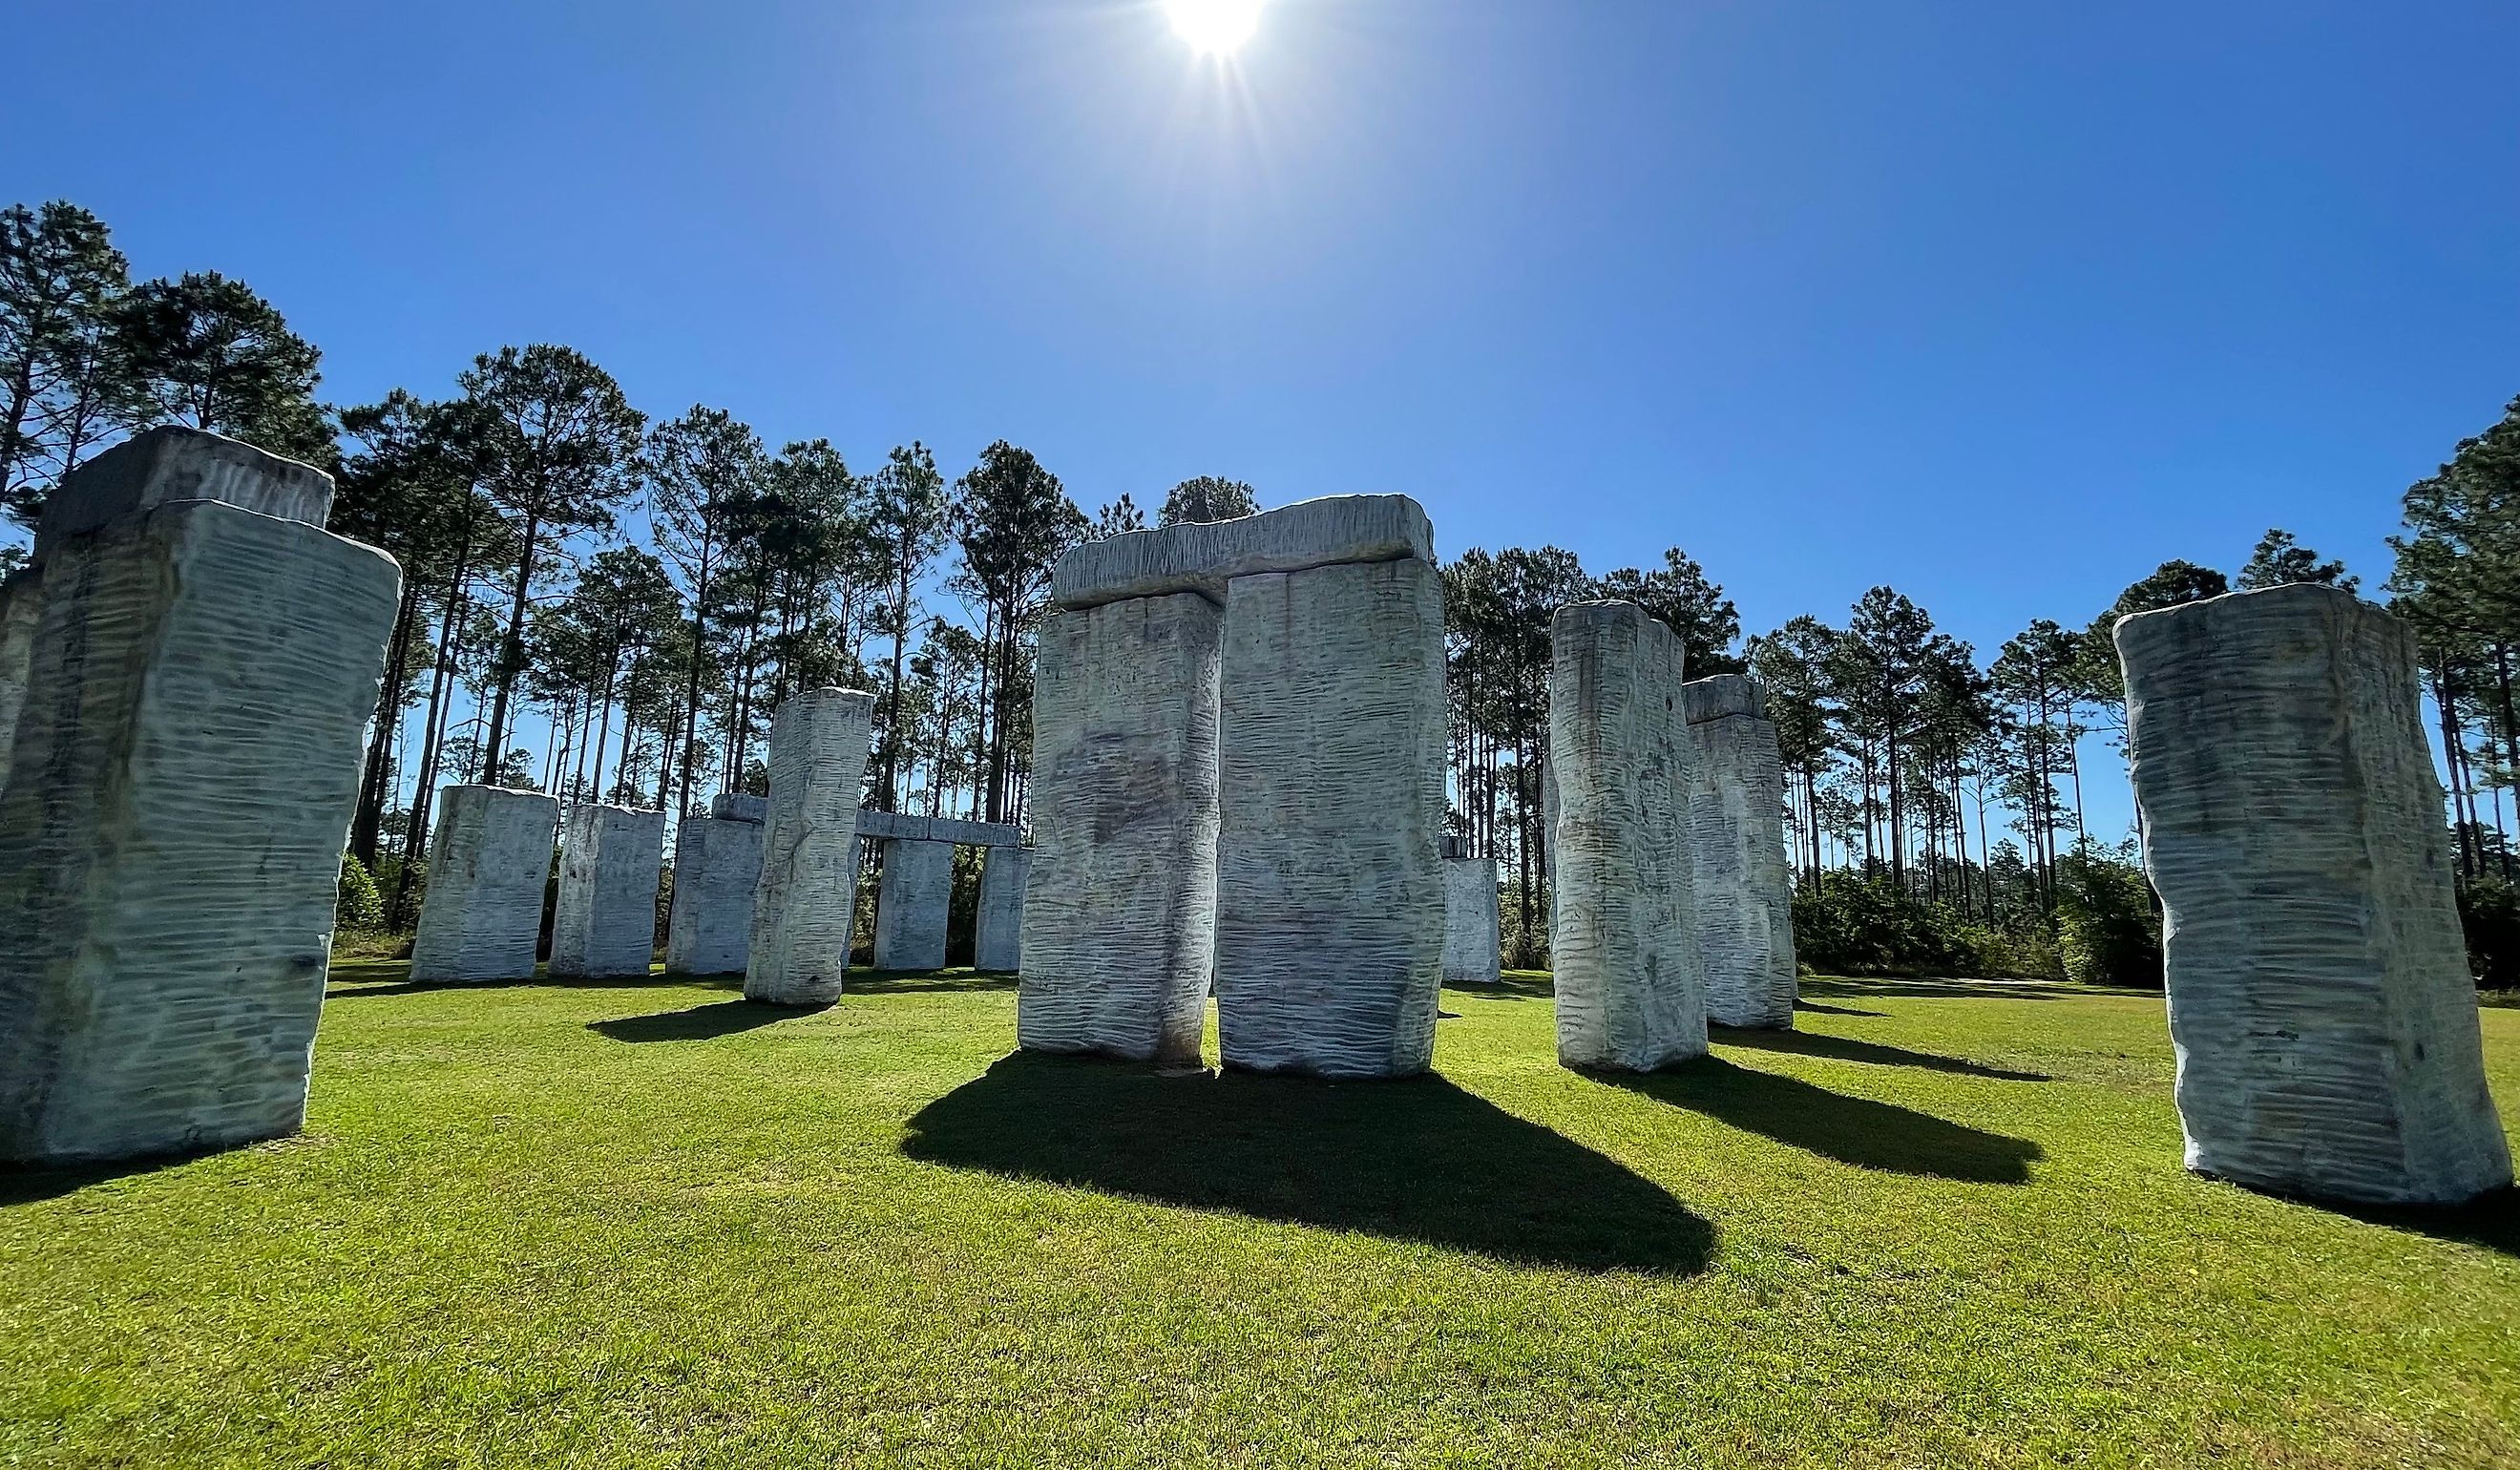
(1215, 27)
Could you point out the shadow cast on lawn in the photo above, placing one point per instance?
(29, 1184)
(1845, 1048)
(1949, 988)
(2491, 1220)
(1413, 1160)
(700, 1022)
(915, 982)
(364, 980)
(1850, 1129)
(1837, 1010)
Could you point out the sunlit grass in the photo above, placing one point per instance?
(636, 1225)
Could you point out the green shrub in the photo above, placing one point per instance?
(2489, 910)
(359, 909)
(2108, 925)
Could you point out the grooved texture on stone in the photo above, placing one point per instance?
(717, 866)
(1471, 940)
(912, 900)
(1203, 558)
(1330, 933)
(953, 829)
(805, 907)
(2320, 999)
(605, 920)
(171, 464)
(1119, 909)
(187, 757)
(998, 930)
(487, 866)
(21, 605)
(1630, 992)
(1743, 891)
(736, 806)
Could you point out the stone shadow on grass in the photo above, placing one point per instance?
(1850, 1129)
(2491, 1220)
(1845, 1048)
(916, 982)
(364, 980)
(29, 1184)
(700, 1022)
(1837, 1010)
(1414, 1160)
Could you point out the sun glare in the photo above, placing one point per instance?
(1215, 27)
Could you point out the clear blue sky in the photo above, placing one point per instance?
(2000, 304)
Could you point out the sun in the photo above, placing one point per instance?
(1215, 27)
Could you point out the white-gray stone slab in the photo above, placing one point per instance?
(1119, 909)
(21, 605)
(912, 900)
(737, 806)
(998, 929)
(187, 758)
(1631, 995)
(881, 826)
(1329, 934)
(1203, 557)
(1742, 891)
(489, 862)
(1471, 937)
(717, 866)
(604, 922)
(805, 907)
(2320, 999)
(171, 463)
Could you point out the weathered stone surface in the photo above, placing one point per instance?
(717, 866)
(487, 867)
(805, 907)
(1471, 940)
(21, 605)
(1329, 934)
(912, 900)
(998, 934)
(1204, 558)
(605, 919)
(1630, 992)
(169, 464)
(736, 806)
(1744, 903)
(199, 678)
(882, 825)
(1119, 911)
(2320, 999)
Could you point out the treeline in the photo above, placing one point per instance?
(596, 603)
(1934, 799)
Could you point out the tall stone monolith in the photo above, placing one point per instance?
(1330, 928)
(717, 866)
(200, 667)
(805, 907)
(1631, 995)
(1742, 896)
(604, 922)
(1470, 933)
(997, 937)
(2318, 990)
(913, 898)
(489, 863)
(1119, 907)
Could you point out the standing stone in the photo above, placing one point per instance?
(912, 900)
(21, 605)
(997, 932)
(1471, 939)
(2320, 997)
(1119, 908)
(805, 907)
(1743, 891)
(604, 923)
(198, 682)
(487, 868)
(1330, 933)
(717, 866)
(1630, 993)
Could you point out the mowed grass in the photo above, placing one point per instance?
(653, 1224)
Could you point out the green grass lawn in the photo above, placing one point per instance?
(653, 1224)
